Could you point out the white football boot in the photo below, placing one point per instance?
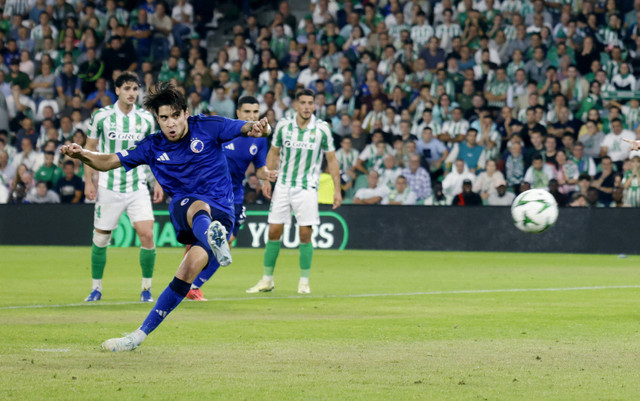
(264, 285)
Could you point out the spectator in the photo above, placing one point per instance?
(585, 164)
(221, 104)
(437, 198)
(31, 158)
(514, 166)
(417, 177)
(467, 197)
(182, 17)
(432, 153)
(487, 181)
(70, 187)
(401, 194)
(603, 182)
(631, 184)
(389, 172)
(67, 84)
(41, 194)
(614, 145)
(539, 173)
(500, 197)
(373, 193)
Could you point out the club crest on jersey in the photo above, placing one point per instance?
(197, 146)
(253, 149)
(184, 201)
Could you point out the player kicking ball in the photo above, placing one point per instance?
(240, 152)
(299, 143)
(187, 160)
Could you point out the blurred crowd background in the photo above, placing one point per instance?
(430, 102)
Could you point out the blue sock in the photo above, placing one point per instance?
(206, 274)
(200, 225)
(167, 301)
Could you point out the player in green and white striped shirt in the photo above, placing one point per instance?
(115, 128)
(299, 143)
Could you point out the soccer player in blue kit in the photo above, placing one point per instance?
(186, 158)
(240, 153)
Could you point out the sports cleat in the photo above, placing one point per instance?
(145, 296)
(94, 296)
(264, 285)
(303, 288)
(195, 294)
(126, 343)
(217, 237)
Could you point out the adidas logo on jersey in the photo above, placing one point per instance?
(230, 147)
(163, 158)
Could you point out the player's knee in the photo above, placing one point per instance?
(146, 238)
(101, 240)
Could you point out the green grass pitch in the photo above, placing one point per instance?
(378, 325)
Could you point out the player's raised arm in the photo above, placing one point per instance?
(635, 145)
(98, 161)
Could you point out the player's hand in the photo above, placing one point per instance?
(73, 150)
(266, 190)
(337, 200)
(635, 145)
(260, 128)
(272, 175)
(158, 193)
(89, 190)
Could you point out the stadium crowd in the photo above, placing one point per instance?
(431, 102)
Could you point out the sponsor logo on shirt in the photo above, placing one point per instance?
(197, 145)
(124, 136)
(299, 145)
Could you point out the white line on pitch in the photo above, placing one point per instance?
(397, 294)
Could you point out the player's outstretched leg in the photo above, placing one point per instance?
(167, 301)
(214, 234)
(195, 293)
(170, 298)
(306, 253)
(266, 283)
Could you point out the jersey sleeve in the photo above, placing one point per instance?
(135, 155)
(221, 128)
(260, 158)
(327, 139)
(278, 134)
(92, 132)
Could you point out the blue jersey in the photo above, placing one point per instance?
(240, 153)
(195, 165)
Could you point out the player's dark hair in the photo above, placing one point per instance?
(126, 77)
(165, 94)
(305, 92)
(247, 100)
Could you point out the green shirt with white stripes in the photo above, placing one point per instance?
(114, 132)
(301, 151)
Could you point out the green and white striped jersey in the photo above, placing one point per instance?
(632, 116)
(451, 31)
(301, 151)
(346, 160)
(116, 131)
(420, 34)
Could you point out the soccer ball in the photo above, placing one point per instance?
(534, 211)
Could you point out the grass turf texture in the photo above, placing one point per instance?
(438, 345)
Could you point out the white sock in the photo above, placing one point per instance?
(194, 287)
(304, 280)
(270, 278)
(146, 284)
(138, 336)
(97, 284)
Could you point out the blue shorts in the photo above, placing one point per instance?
(236, 225)
(178, 213)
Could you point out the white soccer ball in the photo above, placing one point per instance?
(534, 211)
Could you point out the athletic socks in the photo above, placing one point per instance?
(200, 225)
(147, 262)
(98, 261)
(96, 284)
(206, 273)
(306, 253)
(167, 301)
(272, 249)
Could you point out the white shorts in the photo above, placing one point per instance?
(110, 205)
(303, 203)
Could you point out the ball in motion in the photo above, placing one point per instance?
(534, 211)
